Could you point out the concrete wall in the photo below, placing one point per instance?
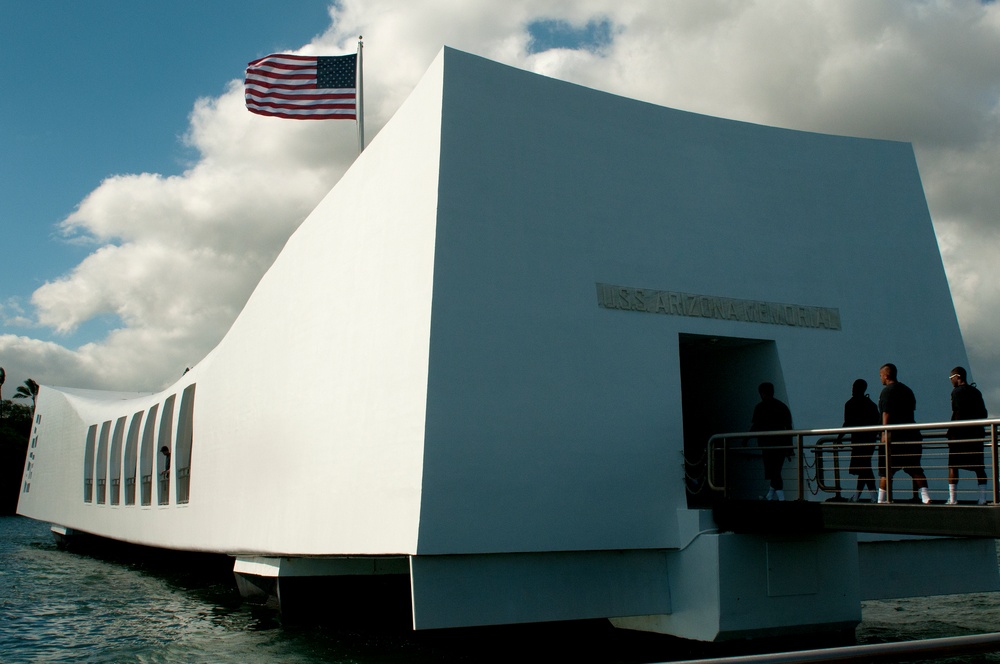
(308, 421)
(555, 423)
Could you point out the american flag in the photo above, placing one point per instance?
(303, 87)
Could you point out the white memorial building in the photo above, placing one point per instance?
(480, 361)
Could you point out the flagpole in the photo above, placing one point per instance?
(361, 98)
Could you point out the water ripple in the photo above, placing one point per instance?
(57, 606)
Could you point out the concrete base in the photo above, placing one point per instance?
(917, 567)
(729, 586)
(64, 536)
(503, 589)
(372, 590)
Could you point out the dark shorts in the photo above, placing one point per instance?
(965, 448)
(861, 459)
(773, 461)
(967, 456)
(905, 457)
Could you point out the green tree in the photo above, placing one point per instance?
(28, 391)
(15, 430)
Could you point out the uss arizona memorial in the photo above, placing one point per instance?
(491, 346)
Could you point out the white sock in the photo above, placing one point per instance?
(952, 489)
(882, 496)
(770, 494)
(925, 496)
(982, 494)
(780, 494)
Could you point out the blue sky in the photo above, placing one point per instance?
(106, 87)
(140, 202)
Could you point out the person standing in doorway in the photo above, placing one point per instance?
(772, 415)
(897, 405)
(861, 411)
(965, 444)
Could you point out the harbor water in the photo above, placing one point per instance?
(60, 606)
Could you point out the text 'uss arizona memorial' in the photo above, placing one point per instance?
(722, 308)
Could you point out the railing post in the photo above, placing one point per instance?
(801, 451)
(725, 468)
(993, 456)
(888, 465)
(836, 470)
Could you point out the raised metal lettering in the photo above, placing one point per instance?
(673, 303)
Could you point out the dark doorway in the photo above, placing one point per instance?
(719, 379)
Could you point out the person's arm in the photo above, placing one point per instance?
(840, 437)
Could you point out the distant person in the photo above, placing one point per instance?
(897, 405)
(165, 451)
(772, 415)
(965, 444)
(861, 411)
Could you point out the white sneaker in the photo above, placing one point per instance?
(951, 501)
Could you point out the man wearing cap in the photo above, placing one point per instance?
(965, 444)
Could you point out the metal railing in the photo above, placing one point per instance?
(116, 486)
(147, 489)
(735, 467)
(164, 493)
(130, 490)
(183, 484)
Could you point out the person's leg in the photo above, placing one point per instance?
(767, 457)
(920, 483)
(773, 461)
(883, 494)
(981, 481)
(866, 481)
(952, 486)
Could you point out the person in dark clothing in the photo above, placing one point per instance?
(897, 405)
(772, 415)
(965, 444)
(861, 411)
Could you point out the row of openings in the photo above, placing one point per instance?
(31, 455)
(114, 459)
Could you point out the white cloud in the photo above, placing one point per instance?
(176, 257)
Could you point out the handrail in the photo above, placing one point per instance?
(721, 447)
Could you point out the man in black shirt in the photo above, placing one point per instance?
(861, 411)
(772, 415)
(965, 444)
(897, 405)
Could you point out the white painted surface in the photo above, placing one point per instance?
(308, 431)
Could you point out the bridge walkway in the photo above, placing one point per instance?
(816, 483)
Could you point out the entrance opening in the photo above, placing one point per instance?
(719, 379)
